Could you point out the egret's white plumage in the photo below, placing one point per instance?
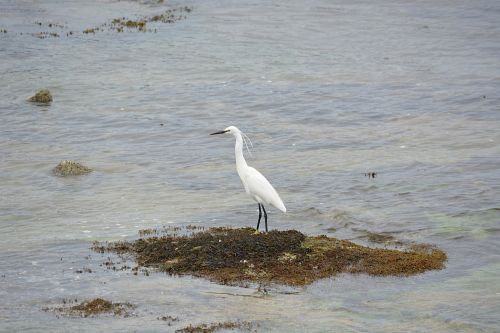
(256, 185)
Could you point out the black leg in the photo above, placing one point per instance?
(265, 215)
(260, 215)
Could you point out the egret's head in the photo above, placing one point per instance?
(231, 130)
(235, 131)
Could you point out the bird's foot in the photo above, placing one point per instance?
(256, 232)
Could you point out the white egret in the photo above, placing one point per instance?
(256, 185)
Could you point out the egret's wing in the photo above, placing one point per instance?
(259, 186)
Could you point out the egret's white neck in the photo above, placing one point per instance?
(241, 164)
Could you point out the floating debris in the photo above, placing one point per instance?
(46, 34)
(51, 25)
(371, 175)
(167, 318)
(240, 256)
(92, 308)
(70, 168)
(213, 327)
(83, 270)
(43, 96)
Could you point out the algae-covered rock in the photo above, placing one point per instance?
(237, 256)
(70, 168)
(42, 96)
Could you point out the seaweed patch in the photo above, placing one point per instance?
(122, 24)
(148, 23)
(92, 308)
(240, 256)
(213, 327)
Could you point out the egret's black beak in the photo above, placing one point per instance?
(219, 132)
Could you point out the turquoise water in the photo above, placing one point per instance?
(326, 91)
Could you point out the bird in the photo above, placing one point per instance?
(256, 185)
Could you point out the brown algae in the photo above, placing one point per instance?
(42, 96)
(70, 168)
(239, 256)
(92, 308)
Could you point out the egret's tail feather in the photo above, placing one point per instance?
(279, 205)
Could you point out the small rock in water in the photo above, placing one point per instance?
(42, 96)
(70, 168)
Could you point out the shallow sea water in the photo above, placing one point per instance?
(326, 91)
